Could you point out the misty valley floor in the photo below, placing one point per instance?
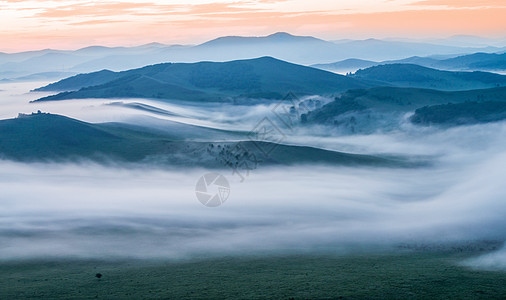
(401, 275)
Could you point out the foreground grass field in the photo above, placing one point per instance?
(414, 275)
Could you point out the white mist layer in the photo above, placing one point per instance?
(87, 210)
(15, 98)
(93, 211)
(495, 261)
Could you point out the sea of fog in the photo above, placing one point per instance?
(87, 210)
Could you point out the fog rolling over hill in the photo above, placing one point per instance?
(357, 108)
(385, 108)
(264, 77)
(253, 149)
(352, 180)
(147, 211)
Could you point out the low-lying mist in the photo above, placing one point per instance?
(92, 211)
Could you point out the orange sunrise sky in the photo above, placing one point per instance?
(29, 25)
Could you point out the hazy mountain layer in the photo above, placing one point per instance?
(347, 65)
(470, 62)
(296, 49)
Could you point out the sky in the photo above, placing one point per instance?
(30, 24)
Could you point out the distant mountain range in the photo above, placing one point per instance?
(295, 49)
(472, 62)
(259, 78)
(49, 137)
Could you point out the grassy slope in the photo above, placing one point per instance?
(418, 275)
(54, 137)
(264, 77)
(43, 137)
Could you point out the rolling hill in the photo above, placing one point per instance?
(410, 75)
(264, 77)
(460, 114)
(476, 61)
(48, 137)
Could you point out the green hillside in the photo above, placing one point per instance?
(48, 137)
(264, 77)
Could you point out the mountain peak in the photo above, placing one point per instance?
(152, 45)
(281, 35)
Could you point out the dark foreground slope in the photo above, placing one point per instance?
(47, 137)
(264, 77)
